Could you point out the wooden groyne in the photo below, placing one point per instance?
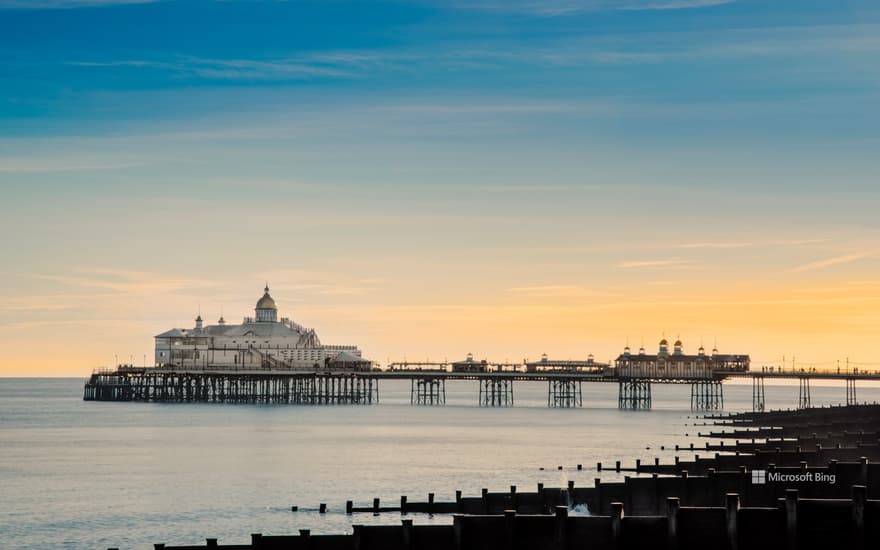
(792, 523)
(647, 494)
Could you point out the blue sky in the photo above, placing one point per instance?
(595, 149)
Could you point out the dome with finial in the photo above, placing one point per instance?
(266, 310)
(266, 302)
(664, 347)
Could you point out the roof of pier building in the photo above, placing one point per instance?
(678, 355)
(266, 302)
(346, 357)
(263, 326)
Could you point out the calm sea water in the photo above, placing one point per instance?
(78, 474)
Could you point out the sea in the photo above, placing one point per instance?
(96, 475)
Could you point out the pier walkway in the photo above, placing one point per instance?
(428, 386)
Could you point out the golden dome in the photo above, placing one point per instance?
(266, 302)
(663, 342)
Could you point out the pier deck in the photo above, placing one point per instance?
(323, 386)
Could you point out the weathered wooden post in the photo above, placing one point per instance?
(561, 526)
(513, 497)
(211, 543)
(484, 495)
(256, 540)
(510, 528)
(859, 495)
(732, 509)
(305, 535)
(403, 504)
(672, 506)
(376, 505)
(407, 532)
(322, 508)
(457, 530)
(349, 505)
(617, 524)
(430, 503)
(791, 518)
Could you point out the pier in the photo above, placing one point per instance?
(327, 386)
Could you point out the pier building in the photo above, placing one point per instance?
(261, 341)
(546, 364)
(678, 364)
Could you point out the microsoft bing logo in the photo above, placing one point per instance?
(759, 477)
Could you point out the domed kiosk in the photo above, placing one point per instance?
(266, 310)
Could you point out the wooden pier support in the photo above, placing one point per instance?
(564, 392)
(804, 392)
(707, 395)
(851, 391)
(296, 388)
(428, 390)
(496, 392)
(758, 402)
(634, 394)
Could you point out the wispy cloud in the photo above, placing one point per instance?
(52, 165)
(673, 4)
(556, 291)
(319, 65)
(134, 282)
(837, 260)
(303, 282)
(65, 4)
(721, 245)
(675, 262)
(747, 244)
(552, 8)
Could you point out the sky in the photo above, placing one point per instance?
(427, 179)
